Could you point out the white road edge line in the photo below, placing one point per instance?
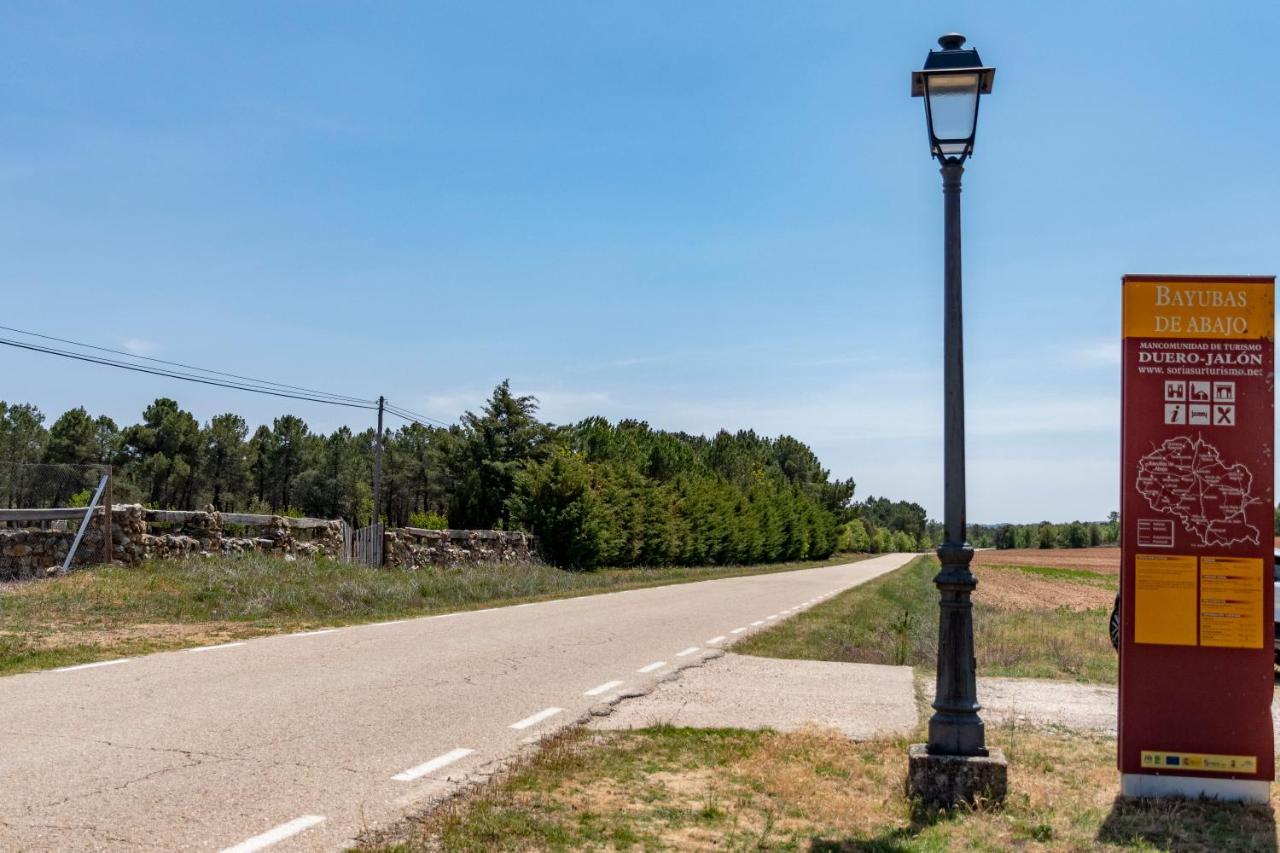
(715, 640)
(602, 688)
(276, 834)
(312, 633)
(218, 646)
(536, 718)
(658, 664)
(757, 622)
(737, 630)
(771, 616)
(92, 665)
(686, 652)
(433, 765)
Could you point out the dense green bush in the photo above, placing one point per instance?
(626, 495)
(428, 520)
(853, 536)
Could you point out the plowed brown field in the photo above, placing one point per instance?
(1105, 561)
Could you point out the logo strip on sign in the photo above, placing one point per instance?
(1200, 761)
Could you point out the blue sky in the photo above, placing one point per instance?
(704, 215)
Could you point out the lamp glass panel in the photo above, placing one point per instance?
(953, 104)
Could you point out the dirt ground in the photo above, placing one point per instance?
(1010, 589)
(1104, 561)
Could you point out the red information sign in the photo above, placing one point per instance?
(1196, 676)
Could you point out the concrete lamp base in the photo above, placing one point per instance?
(947, 781)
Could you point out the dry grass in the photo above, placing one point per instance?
(1030, 622)
(1103, 561)
(670, 788)
(116, 611)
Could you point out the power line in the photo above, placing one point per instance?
(257, 386)
(410, 415)
(263, 382)
(332, 400)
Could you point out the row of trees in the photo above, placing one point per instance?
(1075, 534)
(596, 493)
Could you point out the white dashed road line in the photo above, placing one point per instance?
(757, 622)
(683, 653)
(602, 688)
(545, 713)
(737, 630)
(276, 835)
(432, 765)
(715, 640)
(658, 664)
(771, 616)
(92, 665)
(218, 646)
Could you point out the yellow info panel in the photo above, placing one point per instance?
(1225, 310)
(1164, 601)
(1231, 602)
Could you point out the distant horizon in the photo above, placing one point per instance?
(392, 423)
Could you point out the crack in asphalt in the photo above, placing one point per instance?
(120, 787)
(194, 758)
(189, 753)
(85, 827)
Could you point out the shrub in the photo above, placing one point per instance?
(853, 537)
(428, 520)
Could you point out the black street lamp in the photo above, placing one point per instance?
(952, 83)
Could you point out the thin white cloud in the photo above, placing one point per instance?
(1094, 354)
(1044, 415)
(448, 407)
(138, 346)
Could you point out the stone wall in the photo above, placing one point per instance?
(139, 534)
(413, 547)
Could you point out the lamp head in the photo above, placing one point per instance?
(952, 82)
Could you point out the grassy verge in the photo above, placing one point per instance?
(669, 788)
(167, 604)
(1020, 627)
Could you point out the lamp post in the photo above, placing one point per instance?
(955, 765)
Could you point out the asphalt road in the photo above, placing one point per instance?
(302, 741)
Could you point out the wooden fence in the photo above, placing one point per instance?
(367, 542)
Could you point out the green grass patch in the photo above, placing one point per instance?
(117, 611)
(1075, 575)
(894, 620)
(668, 788)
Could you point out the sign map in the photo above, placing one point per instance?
(1187, 478)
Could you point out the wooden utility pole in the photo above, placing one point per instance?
(377, 466)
